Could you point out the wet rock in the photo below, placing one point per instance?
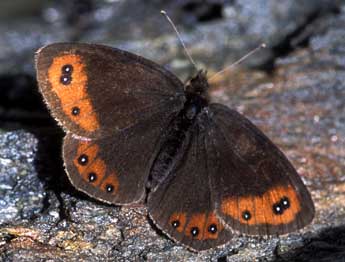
(214, 37)
(216, 33)
(20, 190)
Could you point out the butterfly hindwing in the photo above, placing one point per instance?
(256, 189)
(182, 206)
(94, 91)
(115, 169)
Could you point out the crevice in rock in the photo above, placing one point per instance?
(204, 11)
(222, 259)
(64, 213)
(298, 38)
(49, 166)
(329, 245)
(143, 255)
(21, 105)
(17, 91)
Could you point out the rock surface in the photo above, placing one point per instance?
(298, 101)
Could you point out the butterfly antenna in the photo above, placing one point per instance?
(263, 45)
(179, 37)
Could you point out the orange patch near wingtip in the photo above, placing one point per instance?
(73, 94)
(261, 207)
(181, 218)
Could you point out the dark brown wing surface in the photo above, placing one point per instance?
(115, 107)
(255, 187)
(182, 206)
(114, 169)
(94, 91)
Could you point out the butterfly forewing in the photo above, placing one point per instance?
(95, 91)
(115, 107)
(255, 187)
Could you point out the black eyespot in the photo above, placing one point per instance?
(246, 215)
(278, 209)
(109, 188)
(212, 228)
(67, 69)
(65, 79)
(75, 111)
(175, 224)
(194, 231)
(83, 159)
(92, 177)
(285, 202)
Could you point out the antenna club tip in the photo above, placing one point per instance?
(263, 45)
(163, 12)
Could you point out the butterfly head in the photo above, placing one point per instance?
(198, 85)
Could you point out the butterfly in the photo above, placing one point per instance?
(136, 134)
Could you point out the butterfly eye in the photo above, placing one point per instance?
(212, 228)
(194, 231)
(83, 159)
(67, 69)
(92, 177)
(175, 224)
(246, 215)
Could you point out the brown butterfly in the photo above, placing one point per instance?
(136, 133)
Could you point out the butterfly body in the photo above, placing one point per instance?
(135, 133)
(176, 141)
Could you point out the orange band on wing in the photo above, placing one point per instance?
(110, 180)
(199, 226)
(197, 221)
(179, 218)
(255, 210)
(212, 221)
(91, 151)
(93, 169)
(73, 96)
(94, 165)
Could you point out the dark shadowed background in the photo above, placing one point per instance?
(294, 90)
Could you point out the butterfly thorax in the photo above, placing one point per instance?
(176, 141)
(198, 85)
